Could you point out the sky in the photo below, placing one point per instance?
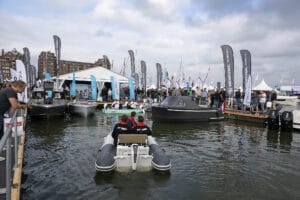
(174, 33)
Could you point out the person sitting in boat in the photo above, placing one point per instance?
(120, 128)
(130, 121)
(141, 127)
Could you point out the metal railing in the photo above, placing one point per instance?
(9, 135)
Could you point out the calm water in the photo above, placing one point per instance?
(223, 160)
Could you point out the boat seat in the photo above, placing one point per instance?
(132, 138)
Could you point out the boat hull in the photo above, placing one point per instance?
(48, 110)
(121, 111)
(165, 114)
(82, 109)
(296, 119)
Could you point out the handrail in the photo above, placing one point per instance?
(6, 140)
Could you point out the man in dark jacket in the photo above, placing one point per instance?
(9, 101)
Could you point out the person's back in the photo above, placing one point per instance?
(120, 128)
(142, 128)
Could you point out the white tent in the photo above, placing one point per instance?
(101, 74)
(262, 86)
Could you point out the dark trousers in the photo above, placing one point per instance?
(1, 126)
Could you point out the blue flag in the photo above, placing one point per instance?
(73, 87)
(131, 89)
(47, 76)
(94, 87)
(113, 87)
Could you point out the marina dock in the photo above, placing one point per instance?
(16, 163)
(246, 116)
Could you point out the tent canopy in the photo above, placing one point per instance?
(101, 74)
(262, 86)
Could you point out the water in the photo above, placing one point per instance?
(221, 160)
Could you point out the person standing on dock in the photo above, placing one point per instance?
(262, 100)
(9, 101)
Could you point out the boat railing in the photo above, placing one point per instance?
(9, 137)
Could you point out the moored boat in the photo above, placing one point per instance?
(83, 108)
(121, 111)
(296, 122)
(133, 152)
(45, 104)
(183, 109)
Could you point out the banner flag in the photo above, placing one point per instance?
(94, 87)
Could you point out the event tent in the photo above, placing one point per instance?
(262, 86)
(101, 74)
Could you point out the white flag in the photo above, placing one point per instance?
(247, 99)
(21, 75)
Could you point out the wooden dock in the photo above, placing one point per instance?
(17, 171)
(246, 116)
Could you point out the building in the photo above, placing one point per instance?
(7, 61)
(47, 63)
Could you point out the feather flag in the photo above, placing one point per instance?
(247, 99)
(73, 87)
(114, 88)
(94, 87)
(47, 76)
(22, 75)
(131, 89)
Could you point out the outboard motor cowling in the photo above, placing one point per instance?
(273, 120)
(286, 120)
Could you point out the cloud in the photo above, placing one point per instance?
(162, 31)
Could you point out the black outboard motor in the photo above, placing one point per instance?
(286, 120)
(273, 120)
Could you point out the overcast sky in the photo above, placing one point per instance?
(162, 31)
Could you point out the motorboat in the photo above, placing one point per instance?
(134, 152)
(83, 108)
(287, 100)
(184, 109)
(121, 111)
(296, 120)
(45, 105)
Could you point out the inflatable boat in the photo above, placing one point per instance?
(134, 152)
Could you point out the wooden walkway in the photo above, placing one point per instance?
(246, 116)
(17, 171)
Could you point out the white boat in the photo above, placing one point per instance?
(133, 152)
(287, 100)
(296, 119)
(83, 108)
